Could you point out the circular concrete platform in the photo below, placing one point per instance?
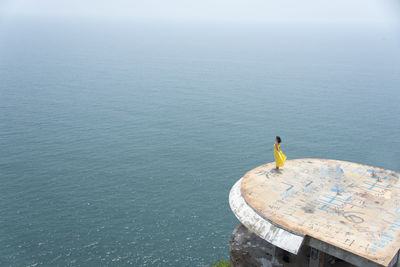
(350, 206)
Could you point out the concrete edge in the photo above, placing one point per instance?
(262, 227)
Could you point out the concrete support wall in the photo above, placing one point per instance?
(398, 260)
(316, 258)
(339, 253)
(249, 250)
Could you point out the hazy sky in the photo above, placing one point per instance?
(325, 11)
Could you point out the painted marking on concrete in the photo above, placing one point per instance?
(352, 206)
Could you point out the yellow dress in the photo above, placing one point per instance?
(280, 158)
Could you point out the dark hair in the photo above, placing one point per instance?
(278, 139)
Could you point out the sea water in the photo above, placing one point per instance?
(121, 140)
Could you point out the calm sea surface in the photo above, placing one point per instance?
(119, 142)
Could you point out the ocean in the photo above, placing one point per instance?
(120, 140)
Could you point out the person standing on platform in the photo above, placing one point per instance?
(280, 158)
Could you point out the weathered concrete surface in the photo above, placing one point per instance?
(265, 229)
(340, 253)
(350, 206)
(249, 250)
